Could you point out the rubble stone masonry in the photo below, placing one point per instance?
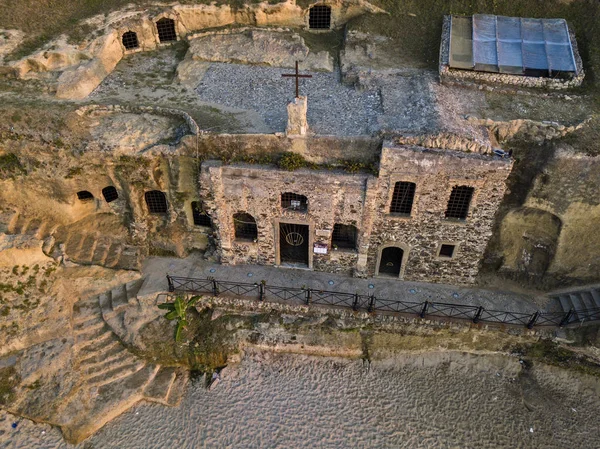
(363, 201)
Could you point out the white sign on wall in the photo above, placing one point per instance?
(320, 248)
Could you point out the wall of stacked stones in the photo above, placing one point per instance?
(435, 172)
(332, 198)
(364, 201)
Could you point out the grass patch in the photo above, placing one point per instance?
(550, 353)
(9, 379)
(10, 166)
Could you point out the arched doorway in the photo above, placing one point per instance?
(390, 262)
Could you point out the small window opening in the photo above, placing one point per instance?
(201, 218)
(84, 195)
(166, 30)
(403, 197)
(156, 202)
(344, 236)
(110, 194)
(130, 40)
(245, 226)
(458, 204)
(319, 17)
(447, 251)
(293, 201)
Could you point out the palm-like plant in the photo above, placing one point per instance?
(177, 310)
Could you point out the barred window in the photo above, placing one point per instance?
(201, 218)
(319, 17)
(110, 193)
(294, 201)
(245, 226)
(156, 202)
(344, 236)
(130, 40)
(458, 204)
(84, 195)
(403, 197)
(166, 30)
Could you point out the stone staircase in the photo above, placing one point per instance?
(585, 303)
(80, 247)
(114, 304)
(95, 249)
(111, 378)
(20, 224)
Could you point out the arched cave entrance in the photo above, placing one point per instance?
(130, 40)
(166, 30)
(319, 17)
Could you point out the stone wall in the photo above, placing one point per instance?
(435, 172)
(333, 197)
(364, 201)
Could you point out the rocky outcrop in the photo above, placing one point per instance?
(527, 129)
(86, 378)
(265, 47)
(78, 83)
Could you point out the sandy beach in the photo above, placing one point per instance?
(433, 400)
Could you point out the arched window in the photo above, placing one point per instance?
(201, 218)
(84, 195)
(166, 30)
(130, 40)
(293, 201)
(156, 202)
(344, 236)
(319, 17)
(458, 204)
(110, 193)
(245, 226)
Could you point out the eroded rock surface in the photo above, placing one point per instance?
(277, 49)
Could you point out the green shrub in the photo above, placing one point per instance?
(292, 161)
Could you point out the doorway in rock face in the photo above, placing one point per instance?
(293, 244)
(391, 261)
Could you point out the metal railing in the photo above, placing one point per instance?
(370, 303)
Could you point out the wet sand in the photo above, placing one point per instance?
(433, 400)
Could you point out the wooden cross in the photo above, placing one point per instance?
(297, 76)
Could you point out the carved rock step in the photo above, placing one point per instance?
(92, 249)
(115, 374)
(86, 327)
(120, 360)
(105, 352)
(20, 224)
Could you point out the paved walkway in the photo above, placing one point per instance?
(156, 269)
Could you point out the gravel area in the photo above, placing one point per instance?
(432, 400)
(333, 108)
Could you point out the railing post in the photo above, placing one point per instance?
(170, 281)
(567, 318)
(371, 304)
(261, 292)
(533, 319)
(355, 302)
(424, 310)
(478, 315)
(215, 287)
(308, 296)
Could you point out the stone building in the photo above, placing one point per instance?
(427, 216)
